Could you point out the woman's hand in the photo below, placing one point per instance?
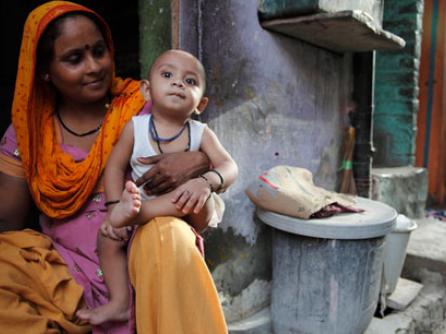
(171, 170)
(191, 196)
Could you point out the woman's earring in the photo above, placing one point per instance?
(46, 77)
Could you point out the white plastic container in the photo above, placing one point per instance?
(395, 252)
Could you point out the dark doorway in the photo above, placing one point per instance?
(121, 16)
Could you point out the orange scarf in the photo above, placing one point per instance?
(58, 184)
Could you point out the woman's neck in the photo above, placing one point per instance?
(83, 111)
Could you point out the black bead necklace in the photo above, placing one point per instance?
(156, 138)
(74, 133)
(77, 134)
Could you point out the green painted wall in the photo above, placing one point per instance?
(155, 31)
(396, 86)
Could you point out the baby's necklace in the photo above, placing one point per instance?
(156, 138)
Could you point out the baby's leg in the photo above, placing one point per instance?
(162, 206)
(114, 266)
(157, 207)
(128, 207)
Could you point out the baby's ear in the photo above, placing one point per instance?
(202, 105)
(145, 89)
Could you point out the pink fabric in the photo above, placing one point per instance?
(333, 209)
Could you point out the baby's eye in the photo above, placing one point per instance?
(166, 75)
(191, 81)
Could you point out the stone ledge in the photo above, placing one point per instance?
(343, 31)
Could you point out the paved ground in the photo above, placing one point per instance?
(425, 263)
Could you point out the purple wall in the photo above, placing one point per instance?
(273, 100)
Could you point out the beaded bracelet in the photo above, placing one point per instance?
(207, 181)
(222, 180)
(108, 203)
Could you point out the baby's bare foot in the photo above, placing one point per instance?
(128, 207)
(104, 313)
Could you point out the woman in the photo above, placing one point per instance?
(68, 111)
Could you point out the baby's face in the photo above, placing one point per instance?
(177, 83)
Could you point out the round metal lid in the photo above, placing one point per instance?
(378, 219)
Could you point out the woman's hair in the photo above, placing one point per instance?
(45, 47)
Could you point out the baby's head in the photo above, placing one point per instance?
(176, 84)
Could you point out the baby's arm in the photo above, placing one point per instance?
(222, 175)
(114, 176)
(221, 161)
(116, 168)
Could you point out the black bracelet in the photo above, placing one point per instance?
(111, 202)
(222, 180)
(207, 181)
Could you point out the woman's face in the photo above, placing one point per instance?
(82, 66)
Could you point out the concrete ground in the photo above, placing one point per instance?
(425, 263)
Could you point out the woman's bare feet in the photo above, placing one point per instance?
(128, 207)
(104, 313)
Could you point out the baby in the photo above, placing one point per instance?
(175, 86)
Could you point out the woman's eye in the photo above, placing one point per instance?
(166, 75)
(99, 51)
(73, 59)
(191, 81)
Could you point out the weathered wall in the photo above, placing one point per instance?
(396, 88)
(273, 100)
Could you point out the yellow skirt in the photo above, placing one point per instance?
(174, 291)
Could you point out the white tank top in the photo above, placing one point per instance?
(143, 148)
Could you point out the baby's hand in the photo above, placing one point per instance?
(192, 195)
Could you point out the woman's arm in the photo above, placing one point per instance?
(15, 202)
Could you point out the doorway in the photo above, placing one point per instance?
(123, 21)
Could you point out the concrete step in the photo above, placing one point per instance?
(404, 188)
(259, 323)
(426, 314)
(425, 263)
